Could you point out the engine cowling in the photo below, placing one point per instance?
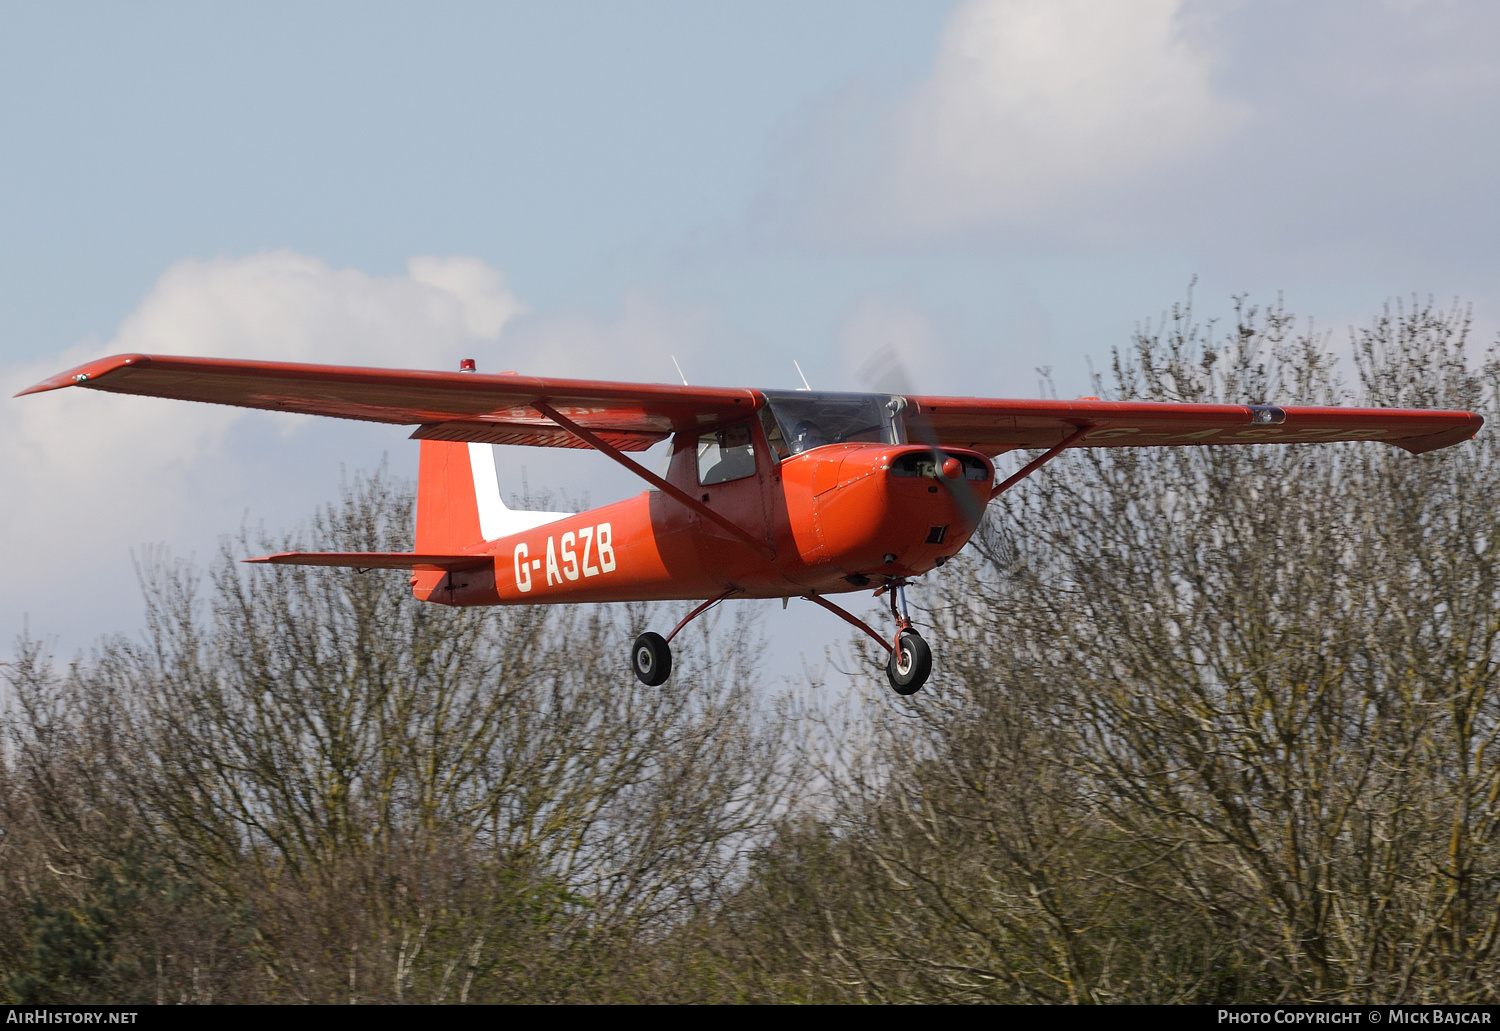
(884, 510)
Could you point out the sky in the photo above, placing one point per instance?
(985, 187)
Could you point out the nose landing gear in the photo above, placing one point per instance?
(910, 663)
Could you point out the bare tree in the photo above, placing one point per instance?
(393, 800)
(1216, 723)
(1210, 724)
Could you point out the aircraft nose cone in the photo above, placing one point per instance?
(953, 468)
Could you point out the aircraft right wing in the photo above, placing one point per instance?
(458, 406)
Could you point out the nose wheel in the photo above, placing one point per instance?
(910, 663)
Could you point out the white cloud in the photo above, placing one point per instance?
(478, 290)
(286, 306)
(276, 306)
(636, 344)
(1031, 107)
(92, 474)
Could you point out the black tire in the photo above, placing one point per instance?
(651, 659)
(910, 665)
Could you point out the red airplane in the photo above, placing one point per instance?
(768, 494)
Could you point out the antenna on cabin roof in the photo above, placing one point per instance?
(679, 370)
(805, 385)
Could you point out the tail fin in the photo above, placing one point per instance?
(458, 499)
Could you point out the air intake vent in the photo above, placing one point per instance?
(927, 464)
(936, 534)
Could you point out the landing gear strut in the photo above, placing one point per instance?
(651, 654)
(907, 669)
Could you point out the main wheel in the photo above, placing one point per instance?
(910, 665)
(651, 659)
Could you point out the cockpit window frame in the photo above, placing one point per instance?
(786, 410)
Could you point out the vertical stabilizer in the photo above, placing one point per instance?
(447, 506)
(458, 500)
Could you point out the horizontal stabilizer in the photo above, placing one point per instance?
(375, 560)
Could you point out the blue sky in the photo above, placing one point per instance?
(591, 188)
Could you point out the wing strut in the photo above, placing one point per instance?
(1041, 460)
(655, 481)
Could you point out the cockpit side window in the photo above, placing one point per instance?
(726, 454)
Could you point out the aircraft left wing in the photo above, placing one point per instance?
(998, 425)
(459, 406)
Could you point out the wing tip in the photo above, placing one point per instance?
(81, 375)
(1446, 438)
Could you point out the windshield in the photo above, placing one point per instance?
(802, 420)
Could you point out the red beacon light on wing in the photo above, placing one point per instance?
(466, 365)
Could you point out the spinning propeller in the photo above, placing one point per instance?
(885, 373)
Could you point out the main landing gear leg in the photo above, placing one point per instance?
(651, 654)
(910, 662)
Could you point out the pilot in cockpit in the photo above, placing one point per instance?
(806, 437)
(738, 456)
